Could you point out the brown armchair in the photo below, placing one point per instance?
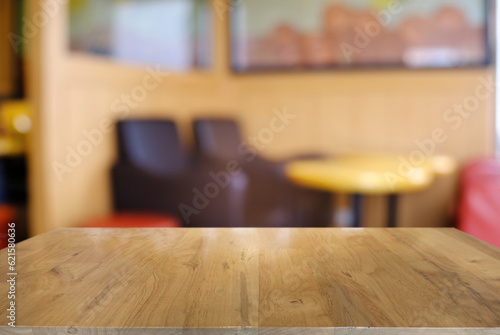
(272, 201)
(154, 174)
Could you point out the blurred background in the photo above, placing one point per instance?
(399, 84)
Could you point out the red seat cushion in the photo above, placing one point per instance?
(133, 220)
(7, 215)
(479, 212)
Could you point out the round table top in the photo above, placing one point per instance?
(369, 173)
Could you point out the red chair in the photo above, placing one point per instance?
(479, 212)
(133, 220)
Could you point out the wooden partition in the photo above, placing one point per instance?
(6, 50)
(76, 97)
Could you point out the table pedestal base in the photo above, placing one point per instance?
(357, 201)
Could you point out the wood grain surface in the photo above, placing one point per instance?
(254, 281)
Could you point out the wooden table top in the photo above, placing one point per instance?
(254, 281)
(368, 173)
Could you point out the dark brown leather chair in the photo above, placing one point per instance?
(154, 174)
(272, 201)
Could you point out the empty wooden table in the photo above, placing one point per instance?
(254, 281)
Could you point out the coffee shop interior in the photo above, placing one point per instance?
(248, 113)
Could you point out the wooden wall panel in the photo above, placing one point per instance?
(6, 51)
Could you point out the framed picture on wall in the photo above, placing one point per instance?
(300, 34)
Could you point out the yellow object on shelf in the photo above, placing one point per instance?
(368, 173)
(10, 146)
(16, 124)
(16, 116)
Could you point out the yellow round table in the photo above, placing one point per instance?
(365, 174)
